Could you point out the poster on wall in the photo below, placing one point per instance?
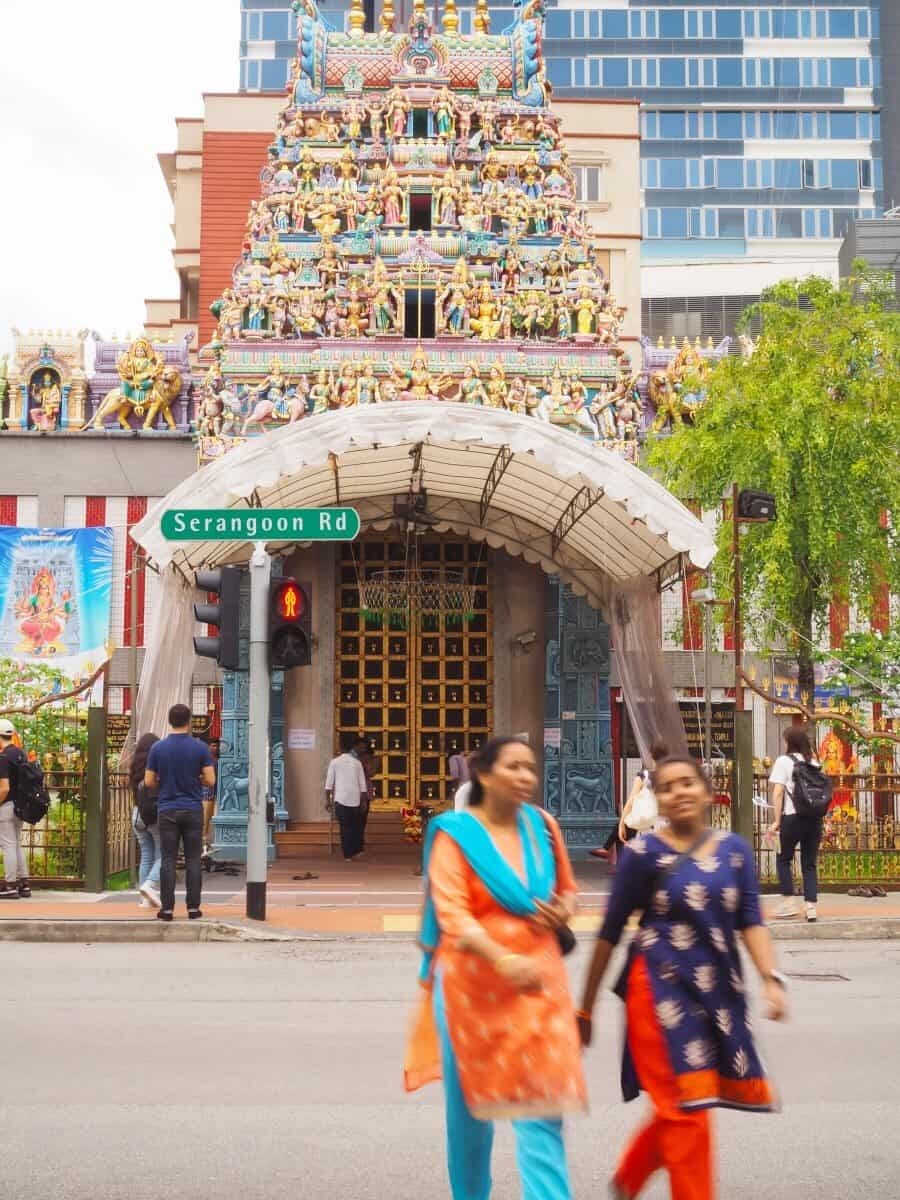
(55, 592)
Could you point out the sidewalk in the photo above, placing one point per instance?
(380, 897)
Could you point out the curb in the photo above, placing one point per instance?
(96, 930)
(62, 929)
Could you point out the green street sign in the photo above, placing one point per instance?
(260, 524)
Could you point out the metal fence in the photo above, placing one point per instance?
(860, 835)
(119, 830)
(54, 848)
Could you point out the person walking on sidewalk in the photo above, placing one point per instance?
(347, 790)
(495, 1018)
(15, 868)
(688, 1043)
(795, 829)
(624, 832)
(180, 766)
(145, 823)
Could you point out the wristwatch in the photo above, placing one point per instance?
(779, 978)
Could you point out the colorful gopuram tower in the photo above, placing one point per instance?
(418, 237)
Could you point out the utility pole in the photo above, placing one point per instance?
(257, 828)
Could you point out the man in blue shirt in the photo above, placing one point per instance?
(179, 768)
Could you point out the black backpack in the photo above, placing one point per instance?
(31, 800)
(147, 806)
(811, 789)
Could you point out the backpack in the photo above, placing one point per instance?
(147, 806)
(31, 800)
(645, 810)
(811, 792)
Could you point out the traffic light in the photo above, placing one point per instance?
(290, 625)
(225, 614)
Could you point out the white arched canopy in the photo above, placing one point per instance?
(512, 481)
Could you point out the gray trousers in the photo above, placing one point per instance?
(15, 866)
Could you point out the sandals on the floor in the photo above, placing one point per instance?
(869, 891)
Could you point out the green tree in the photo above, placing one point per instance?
(813, 416)
(52, 727)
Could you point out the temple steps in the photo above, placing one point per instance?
(384, 833)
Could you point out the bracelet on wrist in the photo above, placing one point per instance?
(777, 977)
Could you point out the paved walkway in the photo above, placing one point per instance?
(368, 897)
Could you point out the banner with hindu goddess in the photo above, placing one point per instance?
(55, 592)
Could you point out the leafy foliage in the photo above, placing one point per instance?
(53, 729)
(814, 418)
(869, 667)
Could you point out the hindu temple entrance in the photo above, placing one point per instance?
(418, 685)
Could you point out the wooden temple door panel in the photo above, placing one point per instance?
(419, 694)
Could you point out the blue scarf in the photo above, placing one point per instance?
(504, 884)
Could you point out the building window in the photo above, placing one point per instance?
(728, 72)
(865, 174)
(671, 24)
(615, 72)
(559, 71)
(671, 72)
(559, 24)
(615, 24)
(672, 125)
(673, 173)
(730, 173)
(728, 23)
(843, 72)
(728, 125)
(845, 174)
(674, 222)
(275, 26)
(840, 23)
(788, 222)
(274, 74)
(589, 181)
(731, 222)
(784, 23)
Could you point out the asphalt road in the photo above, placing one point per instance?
(143, 1072)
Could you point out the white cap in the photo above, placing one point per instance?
(7, 729)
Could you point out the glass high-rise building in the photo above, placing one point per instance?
(761, 130)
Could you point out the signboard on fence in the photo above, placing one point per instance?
(692, 715)
(118, 724)
(55, 589)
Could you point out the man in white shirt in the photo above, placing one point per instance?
(347, 790)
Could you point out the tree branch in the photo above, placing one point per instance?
(822, 714)
(28, 710)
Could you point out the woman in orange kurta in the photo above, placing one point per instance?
(496, 1017)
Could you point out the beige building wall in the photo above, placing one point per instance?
(605, 134)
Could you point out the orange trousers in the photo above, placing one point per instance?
(676, 1140)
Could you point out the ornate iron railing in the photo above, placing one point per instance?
(54, 848)
(860, 837)
(119, 831)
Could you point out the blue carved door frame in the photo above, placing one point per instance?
(578, 765)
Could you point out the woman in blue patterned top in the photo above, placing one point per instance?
(688, 1042)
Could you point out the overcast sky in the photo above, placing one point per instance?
(89, 93)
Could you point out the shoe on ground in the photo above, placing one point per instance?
(811, 913)
(24, 889)
(151, 894)
(599, 852)
(9, 893)
(162, 915)
(194, 914)
(784, 912)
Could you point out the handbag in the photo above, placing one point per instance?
(644, 812)
(564, 935)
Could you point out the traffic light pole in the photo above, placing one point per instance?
(257, 831)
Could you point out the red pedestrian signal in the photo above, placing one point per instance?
(290, 625)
